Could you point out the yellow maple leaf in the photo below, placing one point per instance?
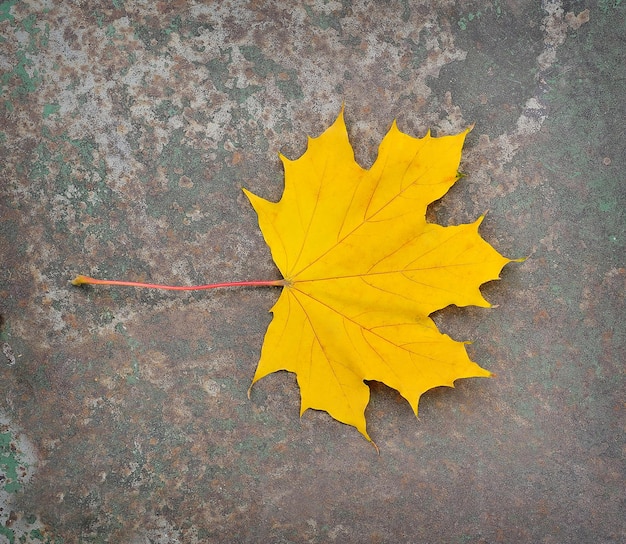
(363, 270)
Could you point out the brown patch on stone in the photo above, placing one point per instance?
(576, 21)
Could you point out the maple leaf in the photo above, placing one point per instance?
(363, 270)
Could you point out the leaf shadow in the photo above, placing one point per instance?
(387, 411)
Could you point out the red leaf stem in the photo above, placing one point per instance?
(86, 280)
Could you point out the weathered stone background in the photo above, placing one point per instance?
(127, 131)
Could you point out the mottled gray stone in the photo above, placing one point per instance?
(127, 132)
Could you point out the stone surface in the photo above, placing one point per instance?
(127, 132)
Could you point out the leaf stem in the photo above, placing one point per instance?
(86, 280)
